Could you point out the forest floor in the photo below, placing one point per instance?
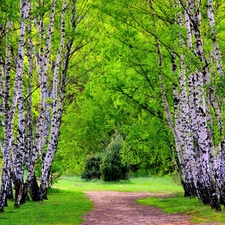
(121, 208)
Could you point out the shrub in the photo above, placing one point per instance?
(108, 166)
(112, 167)
(92, 168)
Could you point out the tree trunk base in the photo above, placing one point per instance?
(34, 189)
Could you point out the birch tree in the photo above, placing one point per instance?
(201, 153)
(32, 127)
(6, 172)
(184, 32)
(56, 113)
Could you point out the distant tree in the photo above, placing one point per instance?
(112, 167)
(108, 165)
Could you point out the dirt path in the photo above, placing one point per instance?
(120, 208)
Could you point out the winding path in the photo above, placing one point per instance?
(121, 208)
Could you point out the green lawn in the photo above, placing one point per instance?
(67, 203)
(152, 184)
(62, 207)
(178, 204)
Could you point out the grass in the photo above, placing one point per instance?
(152, 184)
(67, 203)
(176, 203)
(61, 208)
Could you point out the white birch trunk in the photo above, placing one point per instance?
(194, 153)
(44, 58)
(186, 129)
(56, 114)
(175, 128)
(216, 58)
(206, 186)
(216, 52)
(7, 125)
(18, 92)
(5, 148)
(30, 150)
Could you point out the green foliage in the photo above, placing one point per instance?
(122, 94)
(121, 91)
(108, 165)
(92, 167)
(55, 172)
(147, 146)
(69, 156)
(112, 167)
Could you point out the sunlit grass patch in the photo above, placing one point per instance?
(62, 207)
(151, 184)
(67, 202)
(176, 203)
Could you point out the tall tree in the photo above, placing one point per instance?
(37, 64)
(188, 64)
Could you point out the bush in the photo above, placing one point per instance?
(112, 167)
(92, 168)
(108, 166)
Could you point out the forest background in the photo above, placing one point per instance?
(75, 73)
